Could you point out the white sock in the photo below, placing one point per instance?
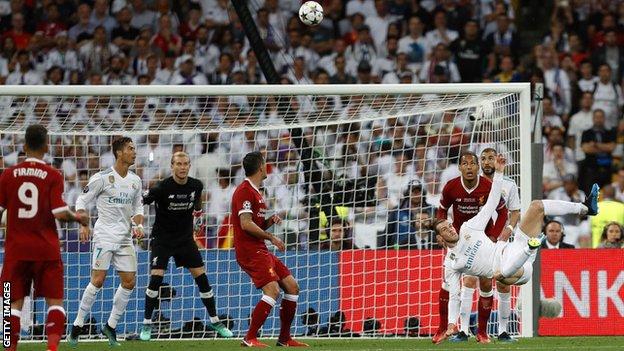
(504, 311)
(120, 301)
(560, 208)
(88, 298)
(465, 309)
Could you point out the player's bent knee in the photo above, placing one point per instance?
(485, 284)
(536, 206)
(128, 285)
(271, 289)
(98, 282)
(470, 282)
(502, 287)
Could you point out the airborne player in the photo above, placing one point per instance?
(467, 193)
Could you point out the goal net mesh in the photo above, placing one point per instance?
(344, 173)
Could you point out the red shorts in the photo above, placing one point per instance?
(263, 268)
(46, 276)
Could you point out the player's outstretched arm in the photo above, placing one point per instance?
(248, 225)
(482, 218)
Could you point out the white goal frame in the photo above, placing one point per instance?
(523, 89)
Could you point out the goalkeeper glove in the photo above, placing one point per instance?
(137, 230)
(198, 221)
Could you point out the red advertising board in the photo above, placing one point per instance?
(590, 284)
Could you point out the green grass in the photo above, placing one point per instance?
(557, 343)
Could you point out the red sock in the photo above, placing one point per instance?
(14, 319)
(443, 300)
(485, 308)
(287, 314)
(259, 315)
(55, 326)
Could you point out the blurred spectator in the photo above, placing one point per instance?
(18, 33)
(84, 29)
(440, 34)
(618, 185)
(414, 44)
(100, 16)
(363, 49)
(554, 236)
(379, 23)
(557, 168)
(124, 35)
(96, 53)
(577, 229)
(612, 236)
(142, 17)
(166, 38)
(440, 68)
(407, 224)
(611, 210)
(364, 7)
(186, 74)
(507, 73)
(504, 41)
(557, 84)
(608, 96)
(340, 236)
(588, 80)
(25, 74)
(470, 53)
(341, 76)
(580, 122)
(598, 143)
(612, 54)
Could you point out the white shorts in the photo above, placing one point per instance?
(504, 250)
(122, 257)
(447, 263)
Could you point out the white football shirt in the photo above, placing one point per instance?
(118, 199)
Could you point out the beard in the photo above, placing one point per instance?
(488, 170)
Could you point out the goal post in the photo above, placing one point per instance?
(338, 153)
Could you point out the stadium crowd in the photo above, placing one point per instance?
(580, 60)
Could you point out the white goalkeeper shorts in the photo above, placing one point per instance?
(122, 257)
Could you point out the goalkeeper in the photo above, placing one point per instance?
(179, 215)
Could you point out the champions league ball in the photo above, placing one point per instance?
(311, 13)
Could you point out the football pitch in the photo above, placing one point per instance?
(545, 343)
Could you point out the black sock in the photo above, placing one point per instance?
(205, 292)
(151, 302)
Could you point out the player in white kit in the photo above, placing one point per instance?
(119, 202)
(471, 252)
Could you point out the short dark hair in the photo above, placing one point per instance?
(36, 137)
(119, 144)
(252, 163)
(489, 149)
(469, 153)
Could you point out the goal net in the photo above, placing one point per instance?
(355, 172)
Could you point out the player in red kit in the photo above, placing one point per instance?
(466, 194)
(32, 194)
(266, 271)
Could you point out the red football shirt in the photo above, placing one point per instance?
(248, 199)
(31, 192)
(466, 204)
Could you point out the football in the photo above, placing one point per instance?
(311, 13)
